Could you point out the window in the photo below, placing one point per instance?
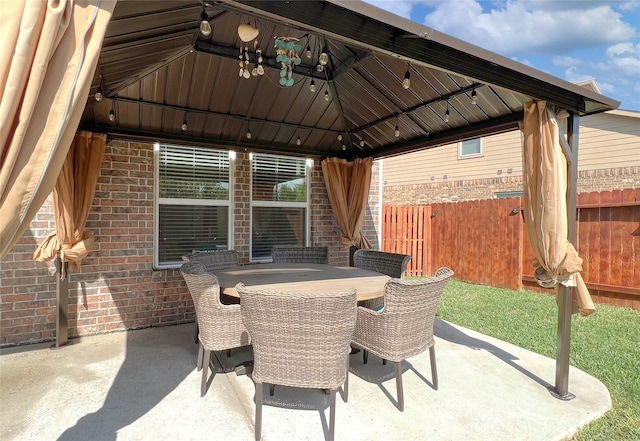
(470, 148)
(279, 204)
(507, 194)
(193, 205)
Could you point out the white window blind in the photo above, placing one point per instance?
(192, 203)
(279, 203)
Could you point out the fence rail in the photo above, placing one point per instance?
(485, 242)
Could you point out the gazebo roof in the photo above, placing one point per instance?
(157, 70)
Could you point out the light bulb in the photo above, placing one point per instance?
(98, 96)
(362, 143)
(184, 125)
(298, 141)
(397, 132)
(339, 136)
(324, 57)
(474, 97)
(112, 115)
(406, 83)
(248, 134)
(447, 116)
(308, 52)
(205, 26)
(312, 86)
(326, 95)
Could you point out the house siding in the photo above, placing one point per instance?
(117, 287)
(608, 158)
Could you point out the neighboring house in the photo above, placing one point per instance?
(490, 167)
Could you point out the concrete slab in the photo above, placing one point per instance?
(142, 385)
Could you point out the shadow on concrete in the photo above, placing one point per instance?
(452, 334)
(147, 376)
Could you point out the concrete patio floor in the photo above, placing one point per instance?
(142, 385)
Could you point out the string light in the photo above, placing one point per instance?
(205, 26)
(308, 52)
(339, 136)
(397, 130)
(184, 125)
(98, 96)
(298, 141)
(406, 82)
(324, 57)
(312, 86)
(326, 95)
(447, 115)
(112, 115)
(248, 133)
(474, 97)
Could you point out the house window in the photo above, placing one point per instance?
(192, 202)
(470, 148)
(279, 204)
(507, 194)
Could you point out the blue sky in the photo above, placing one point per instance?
(575, 40)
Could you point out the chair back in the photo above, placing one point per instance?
(215, 260)
(299, 339)
(391, 264)
(410, 308)
(220, 326)
(301, 255)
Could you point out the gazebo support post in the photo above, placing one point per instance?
(565, 294)
(62, 303)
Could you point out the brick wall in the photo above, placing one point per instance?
(117, 288)
(478, 189)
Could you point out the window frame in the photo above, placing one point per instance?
(471, 155)
(284, 204)
(158, 201)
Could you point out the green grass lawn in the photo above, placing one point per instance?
(605, 344)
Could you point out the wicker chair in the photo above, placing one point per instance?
(220, 325)
(311, 351)
(405, 328)
(213, 261)
(301, 255)
(392, 264)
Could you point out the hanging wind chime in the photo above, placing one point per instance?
(288, 55)
(248, 33)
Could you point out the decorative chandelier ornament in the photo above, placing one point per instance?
(288, 55)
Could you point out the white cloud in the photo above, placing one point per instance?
(626, 57)
(528, 27)
(566, 61)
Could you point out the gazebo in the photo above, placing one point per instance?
(318, 79)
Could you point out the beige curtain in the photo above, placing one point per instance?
(348, 185)
(545, 205)
(72, 197)
(50, 51)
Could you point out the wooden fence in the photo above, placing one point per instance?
(485, 242)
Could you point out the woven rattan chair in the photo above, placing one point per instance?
(220, 325)
(392, 264)
(405, 327)
(301, 255)
(213, 261)
(311, 351)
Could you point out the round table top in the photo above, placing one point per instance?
(303, 277)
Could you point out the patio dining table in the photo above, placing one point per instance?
(303, 277)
